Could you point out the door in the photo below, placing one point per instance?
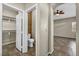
(18, 33)
(21, 30)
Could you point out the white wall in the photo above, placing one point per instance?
(63, 27)
(43, 29)
(77, 32)
(22, 6)
(9, 12)
(50, 30)
(0, 29)
(33, 22)
(69, 10)
(6, 38)
(27, 5)
(9, 26)
(18, 5)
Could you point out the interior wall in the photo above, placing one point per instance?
(27, 5)
(18, 5)
(0, 29)
(63, 27)
(9, 12)
(51, 29)
(30, 24)
(33, 22)
(22, 6)
(77, 32)
(69, 10)
(43, 29)
(6, 38)
(9, 26)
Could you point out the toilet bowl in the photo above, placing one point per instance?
(30, 42)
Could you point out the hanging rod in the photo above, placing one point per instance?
(9, 17)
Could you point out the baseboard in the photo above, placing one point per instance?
(65, 37)
(49, 53)
(8, 43)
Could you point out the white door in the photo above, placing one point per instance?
(25, 33)
(18, 32)
(21, 36)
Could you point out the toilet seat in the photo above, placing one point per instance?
(31, 40)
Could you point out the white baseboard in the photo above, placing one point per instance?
(8, 43)
(50, 52)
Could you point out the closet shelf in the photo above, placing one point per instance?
(9, 30)
(7, 18)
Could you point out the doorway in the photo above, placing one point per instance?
(31, 31)
(12, 37)
(30, 23)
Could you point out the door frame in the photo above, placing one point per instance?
(35, 6)
(0, 29)
(37, 27)
(51, 29)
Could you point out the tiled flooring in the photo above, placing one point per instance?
(64, 46)
(10, 50)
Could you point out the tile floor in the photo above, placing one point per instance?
(10, 50)
(64, 46)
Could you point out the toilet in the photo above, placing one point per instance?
(30, 41)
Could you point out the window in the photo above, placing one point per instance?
(73, 26)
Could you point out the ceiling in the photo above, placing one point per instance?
(8, 8)
(56, 4)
